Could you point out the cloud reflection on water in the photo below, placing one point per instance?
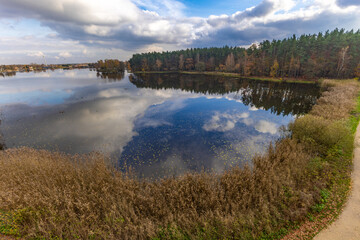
(156, 131)
(223, 122)
(103, 122)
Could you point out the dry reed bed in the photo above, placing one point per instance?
(337, 102)
(53, 195)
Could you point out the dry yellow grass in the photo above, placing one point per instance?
(338, 101)
(70, 196)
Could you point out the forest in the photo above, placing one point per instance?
(334, 54)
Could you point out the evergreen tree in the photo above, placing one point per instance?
(333, 54)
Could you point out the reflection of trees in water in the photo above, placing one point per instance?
(111, 77)
(280, 98)
(7, 74)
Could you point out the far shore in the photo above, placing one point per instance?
(237, 75)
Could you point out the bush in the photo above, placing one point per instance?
(319, 134)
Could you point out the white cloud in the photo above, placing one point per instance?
(107, 124)
(70, 74)
(65, 54)
(152, 25)
(36, 54)
(248, 121)
(223, 122)
(253, 108)
(264, 126)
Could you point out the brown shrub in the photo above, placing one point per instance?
(319, 134)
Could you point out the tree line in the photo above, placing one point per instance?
(334, 54)
(109, 66)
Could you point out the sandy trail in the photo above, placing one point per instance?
(347, 226)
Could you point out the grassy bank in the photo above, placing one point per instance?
(237, 75)
(303, 178)
(338, 115)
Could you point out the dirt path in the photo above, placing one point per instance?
(347, 226)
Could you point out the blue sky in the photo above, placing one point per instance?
(204, 8)
(68, 31)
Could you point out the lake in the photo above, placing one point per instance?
(155, 124)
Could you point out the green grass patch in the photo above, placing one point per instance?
(355, 117)
(10, 222)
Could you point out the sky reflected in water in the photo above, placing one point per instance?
(157, 124)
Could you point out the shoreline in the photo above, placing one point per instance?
(346, 224)
(338, 195)
(235, 75)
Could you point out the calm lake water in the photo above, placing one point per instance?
(157, 124)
